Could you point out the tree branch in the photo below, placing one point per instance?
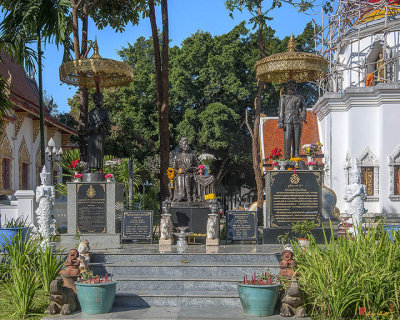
(246, 120)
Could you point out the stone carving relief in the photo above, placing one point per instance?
(20, 120)
(35, 129)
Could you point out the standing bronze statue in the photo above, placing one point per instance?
(292, 113)
(98, 126)
(185, 163)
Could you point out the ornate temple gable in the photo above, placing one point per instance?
(394, 175)
(51, 131)
(5, 148)
(21, 115)
(369, 165)
(35, 129)
(23, 153)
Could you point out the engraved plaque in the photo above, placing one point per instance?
(241, 225)
(294, 197)
(91, 207)
(137, 224)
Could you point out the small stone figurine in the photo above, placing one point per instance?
(166, 225)
(84, 257)
(292, 301)
(356, 194)
(71, 264)
(63, 300)
(45, 196)
(287, 263)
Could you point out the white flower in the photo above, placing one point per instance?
(207, 156)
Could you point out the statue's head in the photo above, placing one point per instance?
(45, 177)
(98, 99)
(287, 253)
(73, 254)
(355, 176)
(184, 144)
(291, 86)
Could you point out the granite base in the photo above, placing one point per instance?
(212, 242)
(166, 242)
(96, 241)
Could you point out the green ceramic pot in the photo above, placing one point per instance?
(258, 300)
(96, 298)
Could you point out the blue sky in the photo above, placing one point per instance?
(185, 18)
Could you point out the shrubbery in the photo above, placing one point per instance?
(348, 274)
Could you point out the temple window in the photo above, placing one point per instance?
(394, 175)
(369, 166)
(24, 166)
(6, 166)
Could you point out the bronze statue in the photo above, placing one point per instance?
(292, 113)
(98, 126)
(185, 163)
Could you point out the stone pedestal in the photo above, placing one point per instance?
(192, 215)
(92, 213)
(212, 242)
(26, 205)
(166, 242)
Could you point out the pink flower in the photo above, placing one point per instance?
(78, 175)
(311, 163)
(108, 176)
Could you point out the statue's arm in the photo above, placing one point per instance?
(303, 109)
(281, 112)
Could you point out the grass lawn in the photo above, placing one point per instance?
(41, 303)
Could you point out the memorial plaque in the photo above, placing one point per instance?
(241, 225)
(91, 208)
(294, 197)
(137, 225)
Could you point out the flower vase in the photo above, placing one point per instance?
(282, 165)
(206, 171)
(77, 180)
(310, 167)
(109, 180)
(275, 168)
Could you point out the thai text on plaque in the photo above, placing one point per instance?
(91, 207)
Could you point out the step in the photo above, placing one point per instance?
(218, 258)
(182, 271)
(177, 299)
(135, 285)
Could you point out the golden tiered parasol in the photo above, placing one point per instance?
(299, 66)
(95, 71)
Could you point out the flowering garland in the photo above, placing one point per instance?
(171, 175)
(276, 154)
(210, 196)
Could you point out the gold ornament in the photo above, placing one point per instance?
(299, 66)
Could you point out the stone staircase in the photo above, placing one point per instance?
(196, 279)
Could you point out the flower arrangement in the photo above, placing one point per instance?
(78, 166)
(180, 171)
(171, 175)
(207, 158)
(262, 278)
(210, 196)
(275, 163)
(312, 149)
(201, 169)
(311, 163)
(109, 176)
(276, 154)
(97, 279)
(78, 176)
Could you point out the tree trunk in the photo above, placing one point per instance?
(162, 97)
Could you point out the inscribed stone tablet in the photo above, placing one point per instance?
(137, 224)
(241, 225)
(91, 207)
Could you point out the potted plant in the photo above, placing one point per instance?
(109, 177)
(259, 295)
(12, 229)
(78, 177)
(311, 150)
(303, 229)
(275, 156)
(96, 294)
(311, 165)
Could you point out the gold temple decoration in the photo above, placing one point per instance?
(91, 193)
(299, 66)
(95, 71)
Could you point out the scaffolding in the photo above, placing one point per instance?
(352, 21)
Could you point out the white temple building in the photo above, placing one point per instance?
(359, 110)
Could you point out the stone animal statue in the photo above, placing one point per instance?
(166, 226)
(292, 301)
(212, 227)
(63, 300)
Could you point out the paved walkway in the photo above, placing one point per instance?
(166, 313)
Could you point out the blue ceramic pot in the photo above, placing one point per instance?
(258, 300)
(8, 234)
(96, 298)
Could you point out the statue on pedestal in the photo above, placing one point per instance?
(184, 162)
(356, 194)
(45, 196)
(98, 126)
(292, 113)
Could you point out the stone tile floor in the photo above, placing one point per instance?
(167, 313)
